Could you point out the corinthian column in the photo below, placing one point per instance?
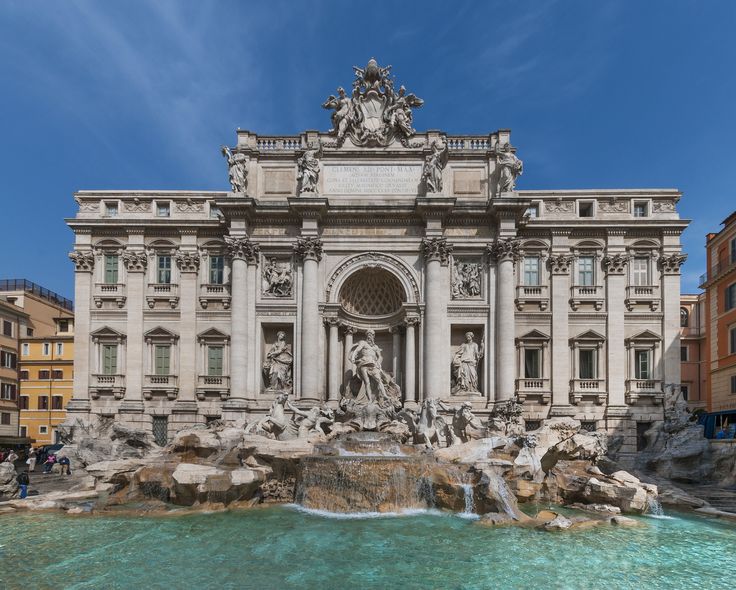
(333, 374)
(559, 266)
(309, 250)
(670, 265)
(505, 252)
(135, 262)
(436, 338)
(188, 263)
(241, 250)
(614, 266)
(410, 394)
(84, 263)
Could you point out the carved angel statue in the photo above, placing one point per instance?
(465, 365)
(433, 166)
(238, 170)
(399, 115)
(510, 168)
(308, 175)
(278, 364)
(343, 112)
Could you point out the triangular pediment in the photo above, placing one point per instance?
(160, 333)
(533, 335)
(213, 334)
(644, 336)
(589, 335)
(107, 332)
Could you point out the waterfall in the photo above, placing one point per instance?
(469, 502)
(654, 508)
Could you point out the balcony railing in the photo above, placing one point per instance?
(213, 384)
(168, 384)
(534, 387)
(532, 294)
(586, 294)
(103, 383)
(109, 292)
(167, 292)
(644, 389)
(588, 388)
(715, 271)
(648, 294)
(214, 292)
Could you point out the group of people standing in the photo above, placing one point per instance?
(34, 457)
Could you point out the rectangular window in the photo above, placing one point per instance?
(532, 363)
(642, 369)
(23, 402)
(57, 402)
(733, 250)
(163, 276)
(63, 326)
(9, 360)
(26, 350)
(641, 270)
(160, 427)
(7, 391)
(46, 349)
(215, 212)
(23, 431)
(5, 418)
(111, 209)
(43, 402)
(43, 429)
(214, 360)
(531, 270)
(585, 209)
(57, 374)
(532, 211)
(59, 348)
(110, 359)
(641, 209)
(730, 297)
(7, 328)
(732, 340)
(24, 375)
(42, 374)
(163, 209)
(217, 270)
(29, 332)
(585, 271)
(684, 354)
(587, 364)
(685, 390)
(162, 359)
(733, 384)
(111, 269)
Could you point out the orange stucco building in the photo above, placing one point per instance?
(693, 359)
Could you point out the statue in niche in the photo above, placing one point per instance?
(277, 279)
(465, 280)
(465, 366)
(343, 115)
(434, 163)
(465, 426)
(371, 383)
(238, 170)
(308, 175)
(510, 168)
(278, 364)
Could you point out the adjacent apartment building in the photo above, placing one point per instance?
(719, 285)
(13, 322)
(44, 353)
(694, 369)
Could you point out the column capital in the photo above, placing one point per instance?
(331, 321)
(242, 249)
(559, 264)
(670, 264)
(349, 329)
(188, 260)
(436, 249)
(411, 321)
(84, 260)
(504, 249)
(308, 249)
(135, 260)
(615, 264)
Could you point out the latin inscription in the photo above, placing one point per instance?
(371, 180)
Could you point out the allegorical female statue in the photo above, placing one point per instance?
(465, 366)
(238, 170)
(278, 364)
(308, 174)
(510, 168)
(433, 165)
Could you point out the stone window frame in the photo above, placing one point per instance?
(530, 248)
(107, 335)
(212, 337)
(160, 336)
(587, 248)
(644, 340)
(588, 340)
(537, 204)
(207, 250)
(594, 207)
(648, 205)
(154, 249)
(684, 317)
(643, 249)
(534, 339)
(103, 248)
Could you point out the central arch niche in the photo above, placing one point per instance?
(372, 293)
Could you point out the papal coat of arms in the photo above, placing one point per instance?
(375, 114)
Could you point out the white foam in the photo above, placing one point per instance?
(366, 515)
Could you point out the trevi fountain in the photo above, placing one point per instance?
(390, 480)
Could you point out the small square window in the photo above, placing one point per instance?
(24, 375)
(63, 325)
(163, 209)
(641, 209)
(533, 211)
(586, 208)
(111, 209)
(5, 418)
(532, 424)
(29, 332)
(589, 425)
(685, 390)
(733, 384)
(43, 429)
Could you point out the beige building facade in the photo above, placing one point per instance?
(194, 305)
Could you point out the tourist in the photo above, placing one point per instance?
(31, 461)
(65, 465)
(49, 464)
(23, 482)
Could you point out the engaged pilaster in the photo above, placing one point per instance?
(84, 264)
(436, 339)
(559, 267)
(614, 265)
(187, 262)
(669, 266)
(309, 251)
(136, 262)
(410, 355)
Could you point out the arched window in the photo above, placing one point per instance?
(684, 317)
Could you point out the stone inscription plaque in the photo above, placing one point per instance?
(371, 180)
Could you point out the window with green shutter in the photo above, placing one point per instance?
(214, 360)
(164, 269)
(110, 359)
(163, 355)
(111, 269)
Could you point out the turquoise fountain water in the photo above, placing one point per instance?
(283, 548)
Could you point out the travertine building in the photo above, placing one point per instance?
(572, 298)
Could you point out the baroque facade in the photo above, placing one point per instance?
(197, 305)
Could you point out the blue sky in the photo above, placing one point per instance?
(141, 94)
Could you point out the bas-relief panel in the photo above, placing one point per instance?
(372, 231)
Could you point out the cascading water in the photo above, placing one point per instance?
(654, 508)
(468, 497)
